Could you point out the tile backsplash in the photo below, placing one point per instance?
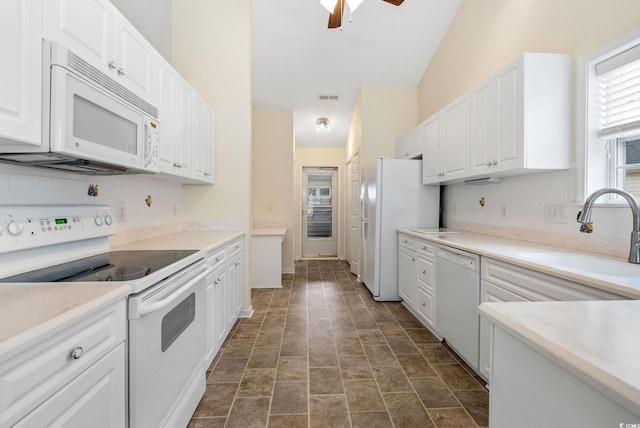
(515, 208)
(21, 185)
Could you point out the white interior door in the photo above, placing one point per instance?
(319, 212)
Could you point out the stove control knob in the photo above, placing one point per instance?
(108, 220)
(98, 220)
(14, 228)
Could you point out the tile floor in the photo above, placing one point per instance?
(320, 352)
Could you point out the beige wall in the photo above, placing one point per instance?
(211, 48)
(273, 176)
(487, 34)
(320, 156)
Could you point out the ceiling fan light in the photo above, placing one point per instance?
(330, 5)
(353, 4)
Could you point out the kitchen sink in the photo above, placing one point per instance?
(585, 264)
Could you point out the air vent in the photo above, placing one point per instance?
(328, 97)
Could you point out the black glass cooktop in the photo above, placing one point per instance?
(112, 266)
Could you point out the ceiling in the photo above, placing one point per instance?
(296, 59)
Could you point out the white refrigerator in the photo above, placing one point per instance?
(393, 197)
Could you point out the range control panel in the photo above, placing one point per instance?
(30, 226)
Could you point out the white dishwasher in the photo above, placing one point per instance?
(457, 300)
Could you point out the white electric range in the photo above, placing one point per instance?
(166, 310)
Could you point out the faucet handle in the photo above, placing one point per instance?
(586, 228)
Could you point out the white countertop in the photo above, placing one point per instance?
(509, 250)
(193, 240)
(28, 312)
(271, 231)
(598, 342)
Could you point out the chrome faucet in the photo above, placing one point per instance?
(585, 218)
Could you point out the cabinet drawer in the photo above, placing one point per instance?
(537, 286)
(425, 304)
(426, 248)
(407, 242)
(426, 272)
(235, 248)
(28, 379)
(217, 257)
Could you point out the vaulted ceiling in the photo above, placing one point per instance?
(296, 59)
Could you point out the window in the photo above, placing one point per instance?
(609, 119)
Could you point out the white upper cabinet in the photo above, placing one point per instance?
(97, 32)
(21, 71)
(514, 122)
(445, 143)
(187, 137)
(408, 146)
(521, 117)
(481, 127)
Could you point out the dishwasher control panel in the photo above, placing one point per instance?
(459, 257)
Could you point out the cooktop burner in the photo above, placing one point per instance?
(112, 266)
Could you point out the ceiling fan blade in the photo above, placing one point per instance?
(335, 19)
(394, 2)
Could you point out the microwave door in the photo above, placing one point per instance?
(89, 124)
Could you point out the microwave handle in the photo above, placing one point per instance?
(148, 152)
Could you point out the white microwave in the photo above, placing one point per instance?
(91, 123)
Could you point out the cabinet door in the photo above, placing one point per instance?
(455, 139)
(209, 145)
(426, 307)
(182, 148)
(406, 276)
(134, 57)
(211, 341)
(169, 132)
(21, 71)
(235, 289)
(197, 135)
(426, 273)
(491, 293)
(481, 128)
(509, 118)
(429, 135)
(221, 305)
(96, 398)
(86, 27)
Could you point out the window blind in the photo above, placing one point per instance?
(619, 86)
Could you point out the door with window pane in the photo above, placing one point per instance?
(319, 213)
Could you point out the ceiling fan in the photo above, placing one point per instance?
(336, 9)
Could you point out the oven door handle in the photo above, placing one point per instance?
(147, 308)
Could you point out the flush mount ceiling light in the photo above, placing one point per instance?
(336, 9)
(322, 124)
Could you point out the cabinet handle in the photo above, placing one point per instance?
(113, 65)
(217, 281)
(121, 71)
(488, 163)
(424, 248)
(77, 353)
(237, 264)
(218, 259)
(424, 272)
(423, 304)
(412, 259)
(494, 163)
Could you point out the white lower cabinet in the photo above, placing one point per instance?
(503, 282)
(224, 294)
(416, 278)
(75, 378)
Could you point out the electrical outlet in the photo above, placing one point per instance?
(555, 213)
(504, 211)
(122, 212)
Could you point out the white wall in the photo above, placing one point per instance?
(483, 37)
(211, 48)
(30, 186)
(273, 176)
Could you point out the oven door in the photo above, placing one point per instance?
(167, 336)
